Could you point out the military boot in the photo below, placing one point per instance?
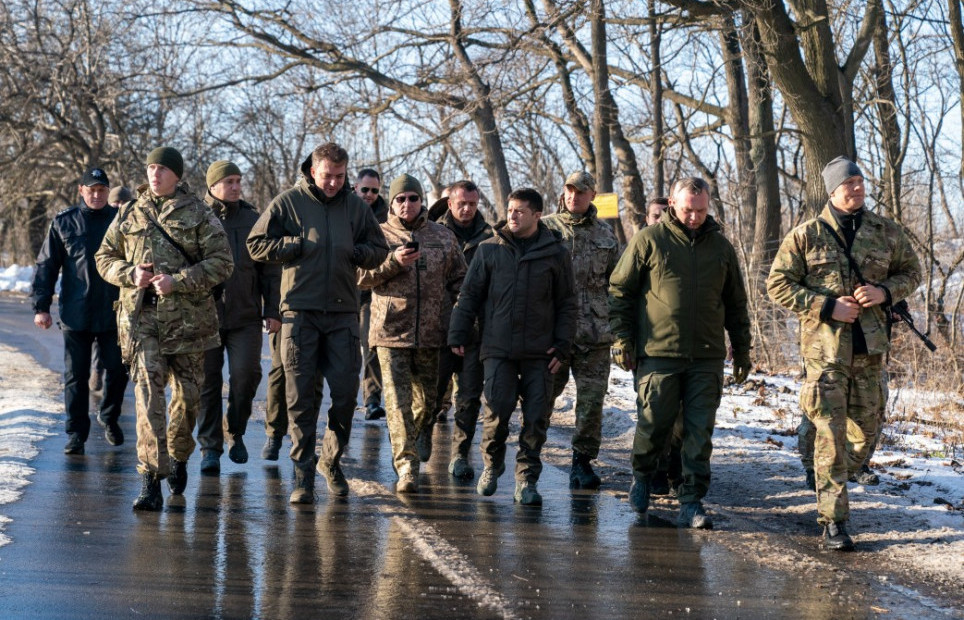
(660, 483)
(582, 476)
(527, 493)
(304, 491)
(639, 495)
(271, 449)
(337, 483)
(407, 483)
(835, 537)
(237, 452)
(489, 480)
(865, 477)
(460, 468)
(150, 497)
(691, 514)
(210, 462)
(177, 480)
(75, 445)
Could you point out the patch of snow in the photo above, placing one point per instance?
(16, 278)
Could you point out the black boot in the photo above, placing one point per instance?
(304, 491)
(150, 497)
(660, 483)
(177, 481)
(835, 537)
(582, 476)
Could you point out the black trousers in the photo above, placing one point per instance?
(77, 360)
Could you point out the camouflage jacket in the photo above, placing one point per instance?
(811, 268)
(411, 305)
(595, 250)
(672, 295)
(187, 319)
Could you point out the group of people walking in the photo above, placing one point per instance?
(166, 285)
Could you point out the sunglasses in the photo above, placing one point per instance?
(412, 198)
(367, 190)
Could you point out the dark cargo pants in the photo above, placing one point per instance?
(468, 394)
(77, 364)
(662, 386)
(243, 349)
(372, 377)
(506, 383)
(318, 346)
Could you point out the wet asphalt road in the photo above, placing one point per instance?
(232, 546)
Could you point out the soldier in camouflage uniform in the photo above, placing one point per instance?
(166, 251)
(594, 251)
(838, 272)
(412, 295)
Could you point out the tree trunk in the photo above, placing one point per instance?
(602, 113)
(656, 85)
(763, 153)
(889, 126)
(737, 117)
(957, 35)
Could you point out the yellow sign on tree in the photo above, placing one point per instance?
(607, 206)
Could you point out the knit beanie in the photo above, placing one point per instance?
(838, 171)
(220, 169)
(405, 183)
(169, 158)
(119, 194)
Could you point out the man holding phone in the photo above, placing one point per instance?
(412, 295)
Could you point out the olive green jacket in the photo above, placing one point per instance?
(811, 268)
(673, 296)
(187, 320)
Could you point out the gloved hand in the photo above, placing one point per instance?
(624, 354)
(741, 366)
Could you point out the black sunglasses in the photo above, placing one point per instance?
(367, 190)
(413, 198)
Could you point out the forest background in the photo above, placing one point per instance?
(753, 95)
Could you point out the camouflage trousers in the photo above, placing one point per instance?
(590, 369)
(844, 403)
(160, 436)
(372, 372)
(807, 432)
(409, 378)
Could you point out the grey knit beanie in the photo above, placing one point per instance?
(838, 171)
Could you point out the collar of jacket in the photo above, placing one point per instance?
(181, 192)
(542, 245)
(222, 209)
(578, 220)
(380, 209)
(399, 224)
(679, 229)
(477, 226)
(834, 217)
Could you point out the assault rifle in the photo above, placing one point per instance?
(900, 313)
(895, 313)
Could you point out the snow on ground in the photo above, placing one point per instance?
(914, 519)
(29, 409)
(16, 278)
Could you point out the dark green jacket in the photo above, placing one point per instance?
(469, 240)
(381, 211)
(251, 293)
(672, 296)
(319, 242)
(525, 302)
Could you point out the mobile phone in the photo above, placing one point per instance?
(412, 245)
